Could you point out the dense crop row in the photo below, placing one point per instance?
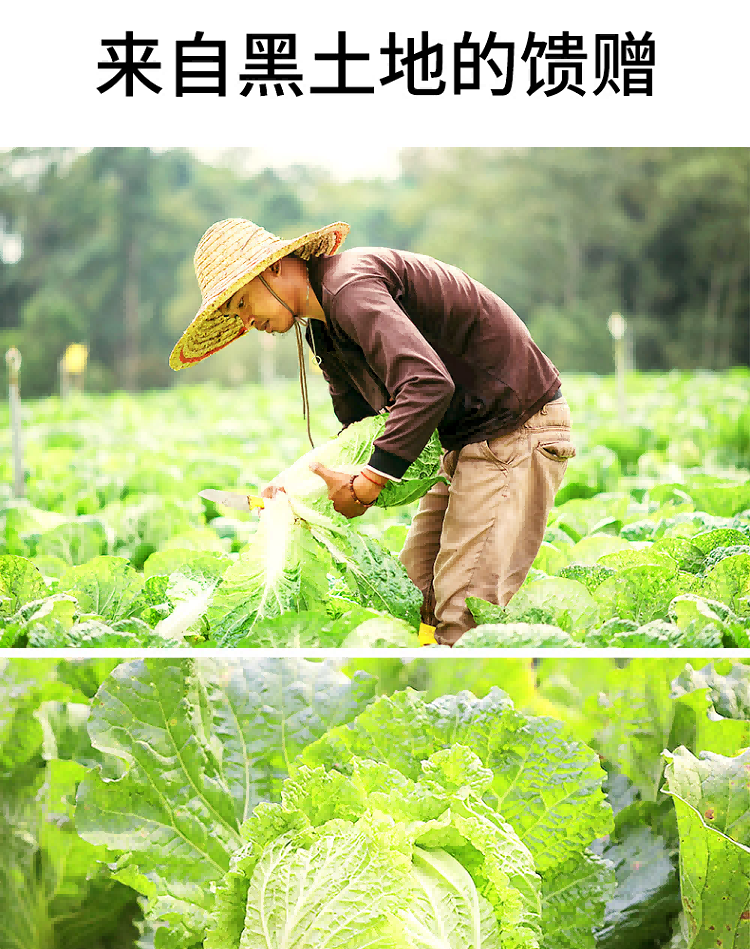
(588, 805)
(648, 544)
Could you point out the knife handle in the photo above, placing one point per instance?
(426, 634)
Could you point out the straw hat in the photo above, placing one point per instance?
(229, 255)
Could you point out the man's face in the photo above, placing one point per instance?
(259, 309)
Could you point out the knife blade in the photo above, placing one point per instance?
(241, 502)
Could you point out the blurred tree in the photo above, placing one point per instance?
(660, 234)
(105, 234)
(699, 242)
(96, 246)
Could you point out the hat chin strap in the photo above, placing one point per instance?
(300, 356)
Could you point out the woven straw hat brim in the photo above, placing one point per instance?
(230, 255)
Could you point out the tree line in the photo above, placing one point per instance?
(96, 247)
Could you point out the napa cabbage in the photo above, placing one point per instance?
(377, 859)
(302, 544)
(349, 451)
(279, 804)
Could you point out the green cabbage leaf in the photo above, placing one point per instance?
(712, 801)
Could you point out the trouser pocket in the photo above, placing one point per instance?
(556, 450)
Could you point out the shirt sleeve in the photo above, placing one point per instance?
(415, 377)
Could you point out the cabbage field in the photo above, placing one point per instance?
(433, 803)
(111, 546)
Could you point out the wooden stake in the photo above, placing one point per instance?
(13, 362)
(617, 326)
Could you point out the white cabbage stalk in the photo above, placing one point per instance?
(184, 616)
(306, 491)
(278, 523)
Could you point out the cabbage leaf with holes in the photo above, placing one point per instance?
(712, 801)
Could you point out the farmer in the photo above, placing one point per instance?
(402, 331)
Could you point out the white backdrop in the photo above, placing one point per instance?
(49, 77)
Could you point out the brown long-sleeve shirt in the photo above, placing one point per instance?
(424, 339)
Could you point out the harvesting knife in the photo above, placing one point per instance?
(242, 502)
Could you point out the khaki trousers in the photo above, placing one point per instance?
(479, 535)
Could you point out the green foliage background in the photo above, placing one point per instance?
(647, 545)
(565, 235)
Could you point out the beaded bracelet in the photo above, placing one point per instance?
(354, 493)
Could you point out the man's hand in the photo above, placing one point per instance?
(339, 491)
(271, 490)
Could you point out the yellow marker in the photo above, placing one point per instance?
(426, 634)
(74, 358)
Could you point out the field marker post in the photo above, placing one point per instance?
(13, 362)
(617, 326)
(71, 368)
